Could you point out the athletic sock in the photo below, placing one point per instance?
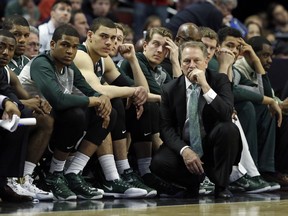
(108, 166)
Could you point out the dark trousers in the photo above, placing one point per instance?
(148, 124)
(260, 130)
(70, 124)
(13, 149)
(119, 132)
(222, 149)
(281, 151)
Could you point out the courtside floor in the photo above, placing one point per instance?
(269, 204)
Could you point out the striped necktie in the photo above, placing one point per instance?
(194, 126)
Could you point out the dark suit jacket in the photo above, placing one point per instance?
(200, 13)
(173, 108)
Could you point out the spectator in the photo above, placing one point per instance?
(209, 13)
(76, 4)
(79, 22)
(99, 8)
(60, 14)
(45, 7)
(150, 22)
(146, 8)
(25, 8)
(253, 29)
(128, 34)
(278, 17)
(181, 4)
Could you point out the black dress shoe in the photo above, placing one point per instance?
(223, 193)
(8, 195)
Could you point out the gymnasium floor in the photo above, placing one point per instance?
(271, 204)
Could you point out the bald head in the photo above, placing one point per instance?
(187, 32)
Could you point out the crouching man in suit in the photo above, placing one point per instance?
(196, 126)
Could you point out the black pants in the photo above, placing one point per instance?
(13, 149)
(148, 124)
(119, 132)
(222, 149)
(70, 124)
(281, 151)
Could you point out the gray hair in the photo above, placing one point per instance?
(193, 44)
(34, 30)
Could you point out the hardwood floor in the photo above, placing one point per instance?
(242, 204)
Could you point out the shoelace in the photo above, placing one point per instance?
(85, 185)
(33, 186)
(137, 181)
(61, 184)
(121, 183)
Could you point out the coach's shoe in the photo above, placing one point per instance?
(59, 186)
(135, 180)
(81, 188)
(222, 192)
(164, 189)
(39, 194)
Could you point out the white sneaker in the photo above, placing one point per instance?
(38, 193)
(16, 187)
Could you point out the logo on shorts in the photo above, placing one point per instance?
(146, 134)
(70, 147)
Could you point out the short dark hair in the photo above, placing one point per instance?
(12, 20)
(64, 30)
(257, 43)
(6, 33)
(101, 21)
(149, 20)
(127, 30)
(228, 31)
(270, 10)
(60, 1)
(120, 26)
(73, 14)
